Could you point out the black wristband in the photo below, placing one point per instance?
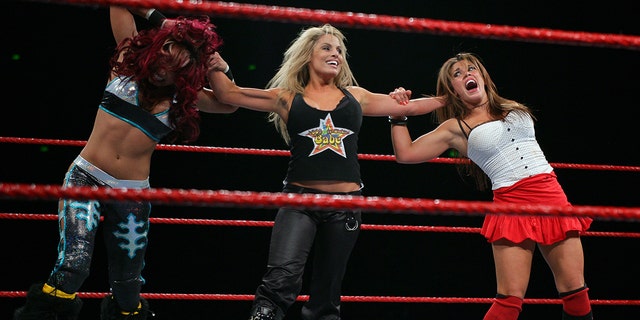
(398, 122)
(156, 18)
(228, 73)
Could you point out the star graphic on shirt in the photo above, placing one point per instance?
(327, 137)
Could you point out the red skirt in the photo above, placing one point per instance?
(539, 189)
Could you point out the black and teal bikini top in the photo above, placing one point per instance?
(120, 100)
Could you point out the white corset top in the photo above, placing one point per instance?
(507, 150)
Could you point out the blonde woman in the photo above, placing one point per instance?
(316, 105)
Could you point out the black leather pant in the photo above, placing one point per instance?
(332, 234)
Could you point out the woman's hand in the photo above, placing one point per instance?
(216, 63)
(401, 95)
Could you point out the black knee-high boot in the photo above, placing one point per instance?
(566, 316)
(41, 306)
(109, 310)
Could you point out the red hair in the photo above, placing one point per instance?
(196, 37)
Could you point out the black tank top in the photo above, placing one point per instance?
(324, 144)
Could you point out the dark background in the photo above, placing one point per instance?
(54, 65)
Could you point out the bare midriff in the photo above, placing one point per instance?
(329, 185)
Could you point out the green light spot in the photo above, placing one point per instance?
(44, 148)
(252, 67)
(15, 57)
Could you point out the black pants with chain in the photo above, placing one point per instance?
(332, 235)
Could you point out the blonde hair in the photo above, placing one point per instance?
(293, 74)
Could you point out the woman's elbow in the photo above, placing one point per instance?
(232, 109)
(226, 109)
(403, 158)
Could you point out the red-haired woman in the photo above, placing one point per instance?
(153, 94)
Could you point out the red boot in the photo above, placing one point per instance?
(504, 308)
